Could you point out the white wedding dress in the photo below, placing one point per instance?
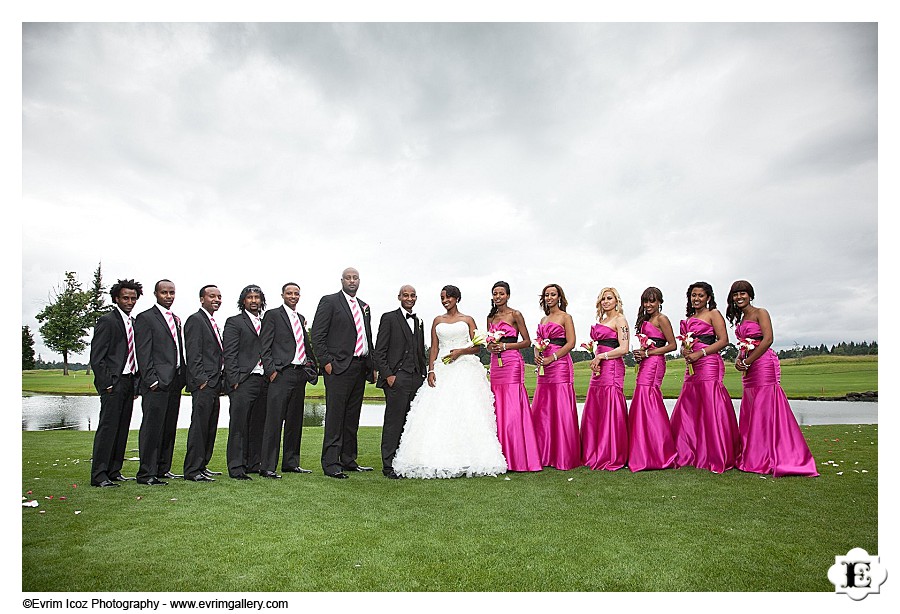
(451, 429)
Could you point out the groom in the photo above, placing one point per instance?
(400, 360)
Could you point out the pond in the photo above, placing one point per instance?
(52, 412)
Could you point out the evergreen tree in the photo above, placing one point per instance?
(98, 305)
(66, 320)
(27, 349)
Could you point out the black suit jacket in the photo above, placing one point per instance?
(109, 350)
(395, 343)
(279, 347)
(243, 348)
(202, 351)
(157, 354)
(334, 333)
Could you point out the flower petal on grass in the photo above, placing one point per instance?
(840, 473)
(31, 503)
(77, 512)
(570, 479)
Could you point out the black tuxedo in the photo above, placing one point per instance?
(334, 336)
(204, 381)
(284, 403)
(247, 411)
(399, 352)
(109, 352)
(158, 356)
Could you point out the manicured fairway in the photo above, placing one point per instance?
(676, 530)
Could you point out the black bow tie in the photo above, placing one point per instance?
(410, 315)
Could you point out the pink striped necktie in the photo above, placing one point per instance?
(298, 337)
(170, 318)
(256, 324)
(357, 320)
(216, 330)
(129, 332)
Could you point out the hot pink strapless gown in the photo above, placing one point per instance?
(650, 442)
(604, 435)
(770, 436)
(703, 423)
(514, 427)
(553, 408)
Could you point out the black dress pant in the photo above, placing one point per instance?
(284, 405)
(247, 416)
(202, 432)
(397, 399)
(111, 436)
(343, 404)
(156, 439)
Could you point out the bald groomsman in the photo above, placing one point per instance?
(289, 363)
(114, 363)
(247, 385)
(160, 355)
(205, 382)
(342, 334)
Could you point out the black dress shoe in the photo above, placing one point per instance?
(295, 470)
(169, 475)
(200, 478)
(393, 475)
(121, 478)
(358, 468)
(153, 482)
(209, 473)
(242, 476)
(269, 474)
(339, 475)
(106, 484)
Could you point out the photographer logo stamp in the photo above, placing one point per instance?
(857, 574)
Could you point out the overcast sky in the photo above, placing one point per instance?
(589, 155)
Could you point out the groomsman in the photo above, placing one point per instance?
(289, 363)
(400, 360)
(247, 385)
(205, 382)
(342, 334)
(114, 364)
(160, 356)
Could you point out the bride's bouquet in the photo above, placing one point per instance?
(540, 344)
(687, 342)
(478, 338)
(494, 336)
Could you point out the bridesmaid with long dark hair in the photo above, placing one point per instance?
(703, 422)
(553, 408)
(604, 433)
(650, 442)
(514, 426)
(770, 436)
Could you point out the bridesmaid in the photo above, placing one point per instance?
(650, 442)
(514, 427)
(604, 435)
(771, 439)
(553, 409)
(703, 423)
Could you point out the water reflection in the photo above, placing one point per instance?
(52, 412)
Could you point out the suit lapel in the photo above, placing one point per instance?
(249, 322)
(407, 333)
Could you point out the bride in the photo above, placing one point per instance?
(451, 429)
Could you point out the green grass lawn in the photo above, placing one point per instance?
(675, 530)
(803, 377)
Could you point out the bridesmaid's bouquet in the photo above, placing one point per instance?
(687, 342)
(494, 336)
(478, 338)
(540, 344)
(644, 343)
(745, 346)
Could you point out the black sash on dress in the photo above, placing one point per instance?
(706, 339)
(608, 343)
(558, 341)
(659, 341)
(755, 338)
(508, 339)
